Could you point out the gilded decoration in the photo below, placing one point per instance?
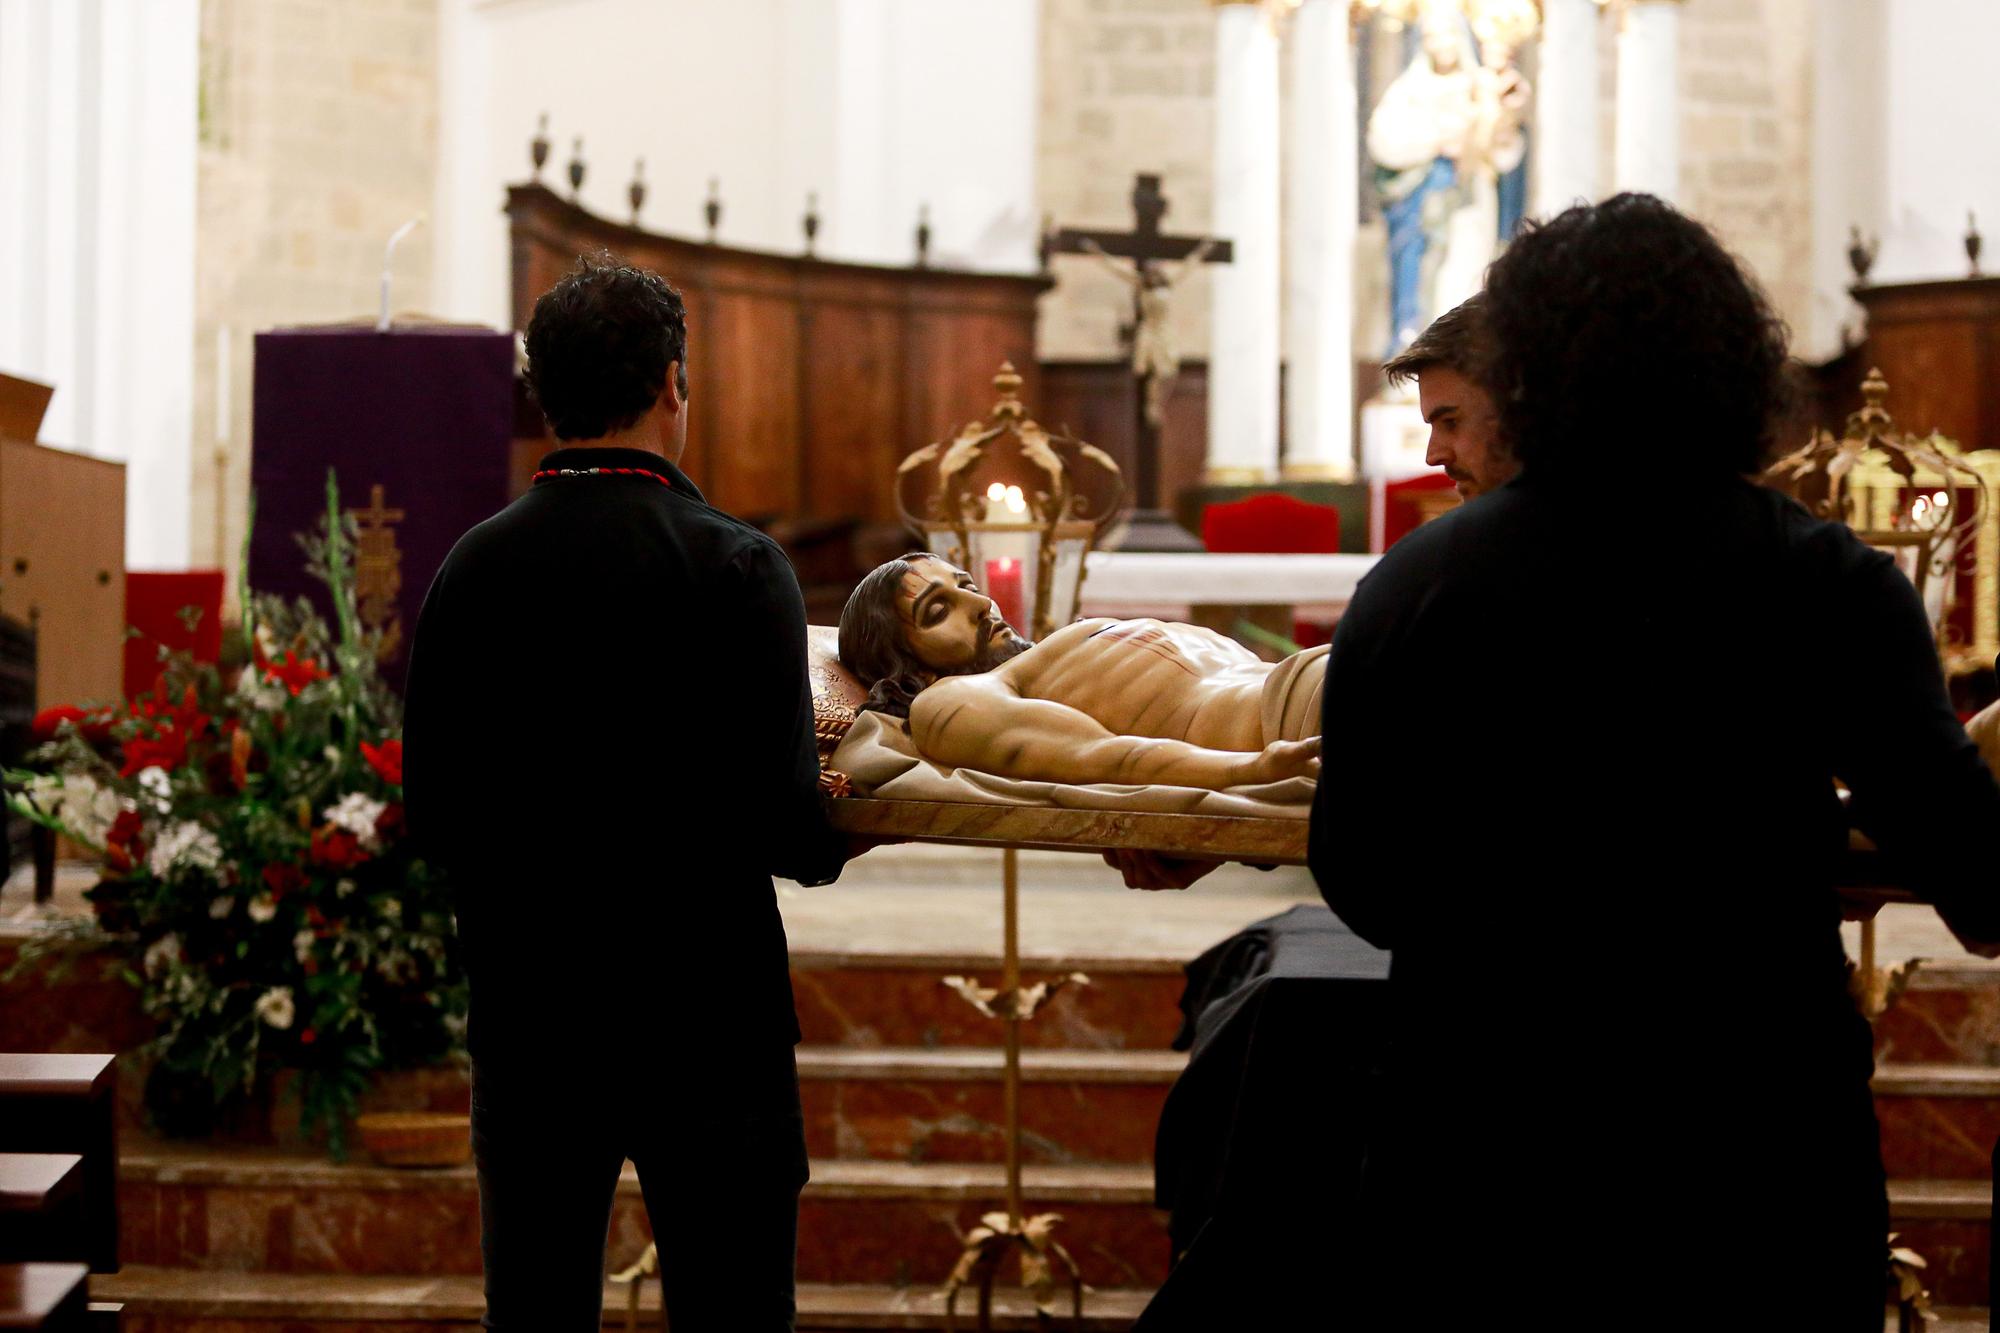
(1007, 499)
(1924, 500)
(378, 572)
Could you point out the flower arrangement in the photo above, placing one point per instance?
(257, 886)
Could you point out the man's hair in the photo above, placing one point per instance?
(1454, 340)
(1622, 335)
(599, 345)
(872, 647)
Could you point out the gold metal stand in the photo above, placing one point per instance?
(1876, 989)
(987, 1244)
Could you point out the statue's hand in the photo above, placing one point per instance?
(1285, 759)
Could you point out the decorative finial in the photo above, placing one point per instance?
(1861, 254)
(576, 167)
(538, 147)
(923, 235)
(1008, 385)
(1972, 241)
(811, 220)
(636, 191)
(712, 210)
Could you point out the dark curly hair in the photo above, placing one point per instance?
(599, 345)
(1623, 334)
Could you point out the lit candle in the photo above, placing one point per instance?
(1003, 585)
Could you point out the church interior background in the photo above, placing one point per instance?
(197, 194)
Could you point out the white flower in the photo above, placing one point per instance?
(77, 802)
(302, 945)
(161, 954)
(391, 909)
(184, 846)
(157, 788)
(357, 814)
(332, 753)
(344, 888)
(218, 908)
(266, 696)
(262, 908)
(44, 793)
(274, 1006)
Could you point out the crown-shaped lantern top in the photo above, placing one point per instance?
(1006, 495)
(1918, 498)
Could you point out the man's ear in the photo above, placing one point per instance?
(671, 396)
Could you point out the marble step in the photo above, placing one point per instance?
(180, 1300)
(901, 1000)
(900, 1104)
(1949, 1223)
(267, 1210)
(1939, 1121)
(1949, 1015)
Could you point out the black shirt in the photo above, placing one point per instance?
(1579, 778)
(609, 749)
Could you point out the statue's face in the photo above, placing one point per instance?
(1443, 42)
(948, 624)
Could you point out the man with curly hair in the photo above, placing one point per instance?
(1624, 1063)
(609, 748)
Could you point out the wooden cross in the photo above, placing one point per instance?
(1147, 247)
(378, 570)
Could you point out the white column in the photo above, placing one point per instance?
(1567, 143)
(1647, 154)
(1319, 247)
(1244, 338)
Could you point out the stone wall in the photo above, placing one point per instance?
(318, 139)
(1126, 87)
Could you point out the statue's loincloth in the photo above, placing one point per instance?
(1291, 701)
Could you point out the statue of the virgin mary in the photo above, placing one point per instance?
(1444, 134)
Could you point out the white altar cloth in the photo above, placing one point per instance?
(1144, 578)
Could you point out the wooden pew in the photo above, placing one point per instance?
(45, 1296)
(67, 1104)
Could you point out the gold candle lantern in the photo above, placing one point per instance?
(1015, 505)
(1923, 500)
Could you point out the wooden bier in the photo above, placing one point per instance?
(1938, 345)
(1063, 829)
(62, 554)
(808, 380)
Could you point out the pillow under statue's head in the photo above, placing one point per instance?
(914, 619)
(837, 696)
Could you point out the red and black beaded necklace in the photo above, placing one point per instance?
(553, 473)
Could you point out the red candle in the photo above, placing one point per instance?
(1003, 585)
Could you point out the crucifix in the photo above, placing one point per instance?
(378, 570)
(1155, 262)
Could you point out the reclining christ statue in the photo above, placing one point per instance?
(1100, 701)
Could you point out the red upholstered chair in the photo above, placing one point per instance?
(1408, 504)
(1275, 524)
(1272, 523)
(153, 604)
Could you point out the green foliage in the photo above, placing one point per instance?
(257, 886)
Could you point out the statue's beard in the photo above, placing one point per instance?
(998, 643)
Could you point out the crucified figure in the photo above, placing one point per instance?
(1155, 358)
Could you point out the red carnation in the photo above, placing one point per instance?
(308, 1037)
(386, 759)
(336, 848)
(49, 720)
(281, 877)
(122, 848)
(389, 824)
(168, 747)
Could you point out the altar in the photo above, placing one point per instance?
(1217, 590)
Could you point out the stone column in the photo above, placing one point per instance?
(1319, 247)
(1243, 341)
(1648, 144)
(1567, 142)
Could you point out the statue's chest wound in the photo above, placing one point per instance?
(1150, 638)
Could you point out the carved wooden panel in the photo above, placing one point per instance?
(808, 380)
(62, 567)
(1938, 345)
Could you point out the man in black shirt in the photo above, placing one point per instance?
(610, 752)
(1588, 730)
